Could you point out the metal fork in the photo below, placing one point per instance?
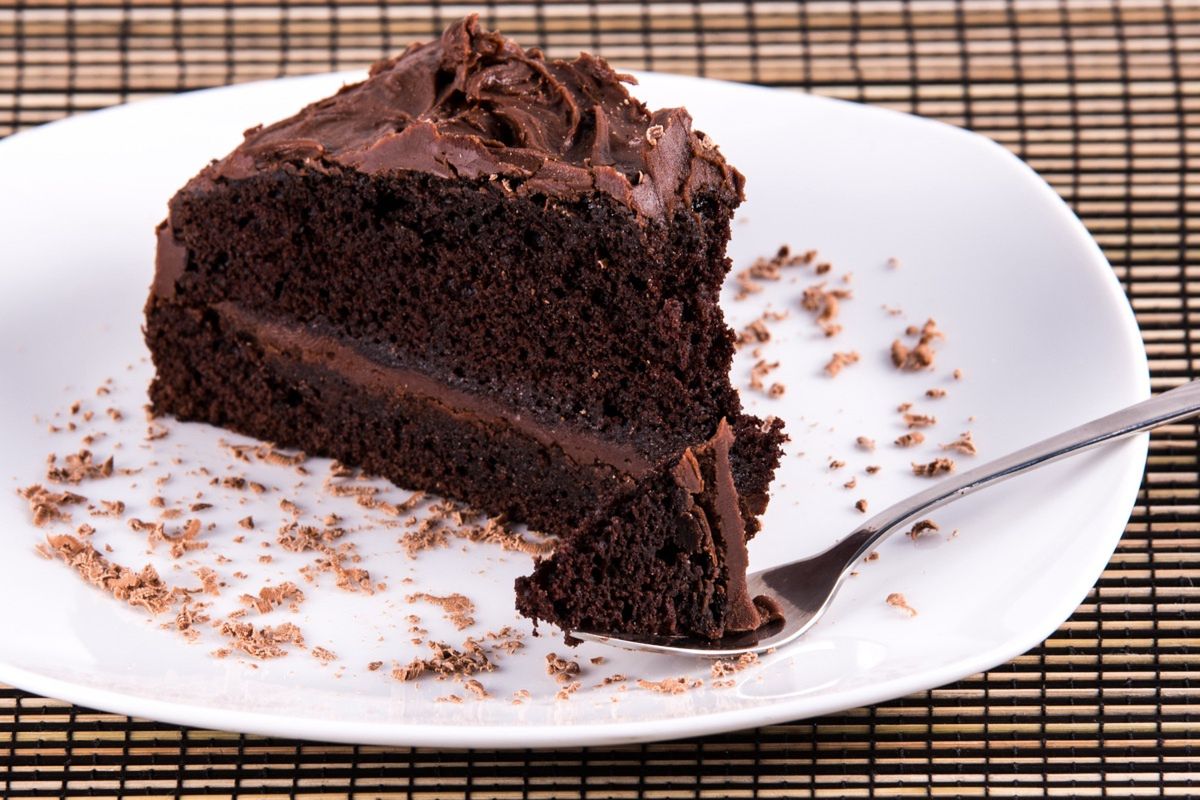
(806, 588)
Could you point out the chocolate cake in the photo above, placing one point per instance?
(492, 276)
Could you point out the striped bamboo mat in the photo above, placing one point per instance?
(1102, 97)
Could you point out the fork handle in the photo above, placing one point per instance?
(1178, 403)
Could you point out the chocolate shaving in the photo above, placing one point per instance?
(921, 355)
(963, 444)
(770, 269)
(723, 669)
(922, 526)
(271, 597)
(839, 361)
(561, 669)
(919, 420)
(78, 467)
(824, 303)
(46, 506)
(759, 371)
(939, 466)
(447, 662)
(565, 692)
(142, 589)
(897, 600)
(458, 608)
(323, 655)
(671, 685)
(266, 642)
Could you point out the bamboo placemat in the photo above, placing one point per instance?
(1102, 97)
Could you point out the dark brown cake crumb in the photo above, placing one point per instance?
(910, 439)
(939, 466)
(922, 526)
(935, 394)
(873, 468)
(861, 505)
(374, 666)
(850, 484)
(963, 444)
(839, 361)
(834, 464)
(246, 523)
(458, 608)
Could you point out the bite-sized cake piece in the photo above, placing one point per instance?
(668, 558)
(479, 272)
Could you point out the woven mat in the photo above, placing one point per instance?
(1101, 97)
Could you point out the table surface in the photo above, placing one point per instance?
(1102, 97)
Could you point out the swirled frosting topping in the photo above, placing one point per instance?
(475, 105)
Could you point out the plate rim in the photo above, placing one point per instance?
(1134, 454)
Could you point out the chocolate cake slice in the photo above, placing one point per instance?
(488, 275)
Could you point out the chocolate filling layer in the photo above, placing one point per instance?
(330, 353)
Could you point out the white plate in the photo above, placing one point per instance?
(1033, 316)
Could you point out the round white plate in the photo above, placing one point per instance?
(1033, 317)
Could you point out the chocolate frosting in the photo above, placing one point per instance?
(170, 261)
(335, 355)
(475, 105)
(717, 507)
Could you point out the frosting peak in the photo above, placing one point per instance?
(476, 105)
